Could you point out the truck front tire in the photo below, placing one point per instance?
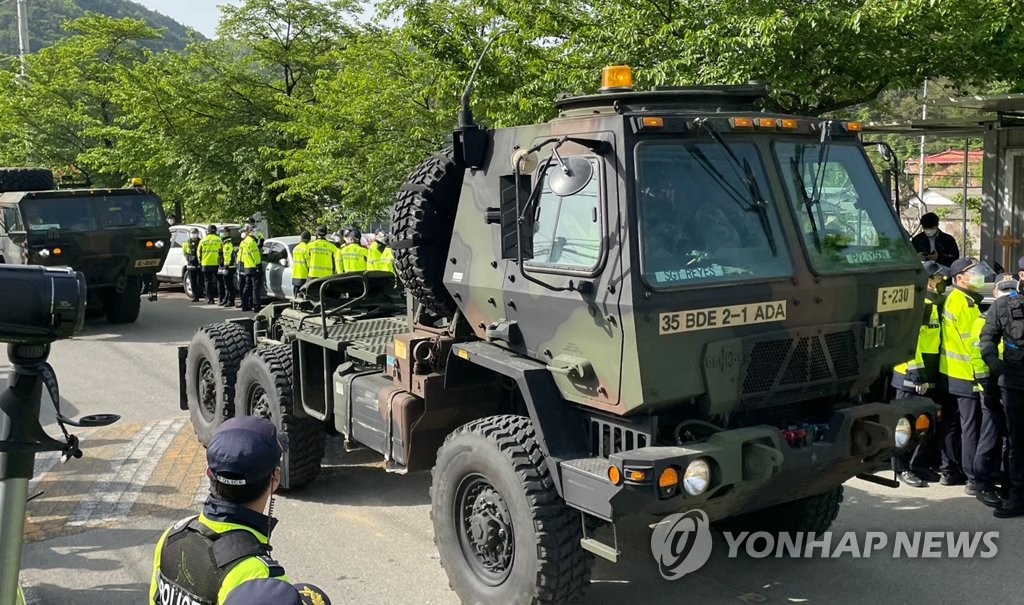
(503, 533)
(123, 307)
(264, 388)
(211, 368)
(813, 514)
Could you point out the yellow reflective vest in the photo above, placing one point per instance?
(250, 568)
(227, 254)
(320, 255)
(249, 253)
(923, 369)
(300, 268)
(960, 361)
(209, 250)
(351, 258)
(379, 258)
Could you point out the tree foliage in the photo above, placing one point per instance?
(306, 111)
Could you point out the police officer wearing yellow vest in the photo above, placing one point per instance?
(300, 264)
(202, 559)
(961, 367)
(352, 257)
(320, 255)
(209, 258)
(920, 375)
(1004, 325)
(226, 271)
(379, 256)
(251, 259)
(190, 248)
(256, 233)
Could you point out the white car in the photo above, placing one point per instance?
(277, 266)
(174, 267)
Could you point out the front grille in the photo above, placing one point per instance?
(779, 371)
(609, 437)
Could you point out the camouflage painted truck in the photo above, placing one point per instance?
(113, 236)
(658, 301)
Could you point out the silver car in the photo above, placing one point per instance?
(174, 269)
(277, 266)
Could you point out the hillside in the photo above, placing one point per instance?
(45, 17)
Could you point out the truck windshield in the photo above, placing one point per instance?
(845, 221)
(77, 214)
(697, 219)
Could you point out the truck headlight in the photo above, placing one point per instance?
(697, 477)
(903, 433)
(159, 244)
(45, 253)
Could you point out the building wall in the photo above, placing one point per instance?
(999, 208)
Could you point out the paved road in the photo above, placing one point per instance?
(365, 535)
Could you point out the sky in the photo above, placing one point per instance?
(201, 15)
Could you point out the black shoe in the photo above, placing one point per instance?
(971, 489)
(1009, 509)
(912, 480)
(152, 297)
(246, 309)
(989, 498)
(952, 479)
(195, 300)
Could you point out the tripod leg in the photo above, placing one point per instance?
(13, 494)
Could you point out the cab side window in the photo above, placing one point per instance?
(178, 237)
(567, 232)
(11, 219)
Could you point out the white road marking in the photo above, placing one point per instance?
(44, 464)
(114, 493)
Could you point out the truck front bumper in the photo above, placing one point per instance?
(750, 468)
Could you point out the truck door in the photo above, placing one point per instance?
(565, 299)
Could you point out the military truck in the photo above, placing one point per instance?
(113, 236)
(657, 301)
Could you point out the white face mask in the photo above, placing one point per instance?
(975, 281)
(931, 231)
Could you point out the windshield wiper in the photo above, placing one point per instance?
(808, 201)
(757, 202)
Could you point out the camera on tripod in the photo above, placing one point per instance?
(40, 305)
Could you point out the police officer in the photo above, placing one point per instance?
(209, 258)
(202, 559)
(256, 233)
(226, 272)
(271, 591)
(962, 369)
(190, 248)
(379, 256)
(251, 259)
(352, 257)
(1004, 323)
(300, 266)
(320, 255)
(920, 375)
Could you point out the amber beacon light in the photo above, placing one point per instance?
(616, 78)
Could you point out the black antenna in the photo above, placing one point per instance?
(470, 141)
(465, 112)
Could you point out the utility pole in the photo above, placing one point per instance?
(23, 48)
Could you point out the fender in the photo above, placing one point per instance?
(561, 427)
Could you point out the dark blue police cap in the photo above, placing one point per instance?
(244, 450)
(272, 591)
(962, 264)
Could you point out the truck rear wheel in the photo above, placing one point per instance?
(503, 533)
(422, 220)
(811, 514)
(211, 368)
(264, 388)
(123, 307)
(26, 179)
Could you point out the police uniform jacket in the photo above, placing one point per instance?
(175, 578)
(1004, 323)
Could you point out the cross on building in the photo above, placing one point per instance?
(1008, 241)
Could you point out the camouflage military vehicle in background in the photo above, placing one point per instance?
(112, 236)
(658, 301)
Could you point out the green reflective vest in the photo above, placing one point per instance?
(923, 369)
(320, 258)
(379, 258)
(960, 359)
(351, 258)
(190, 248)
(249, 253)
(209, 250)
(300, 267)
(250, 568)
